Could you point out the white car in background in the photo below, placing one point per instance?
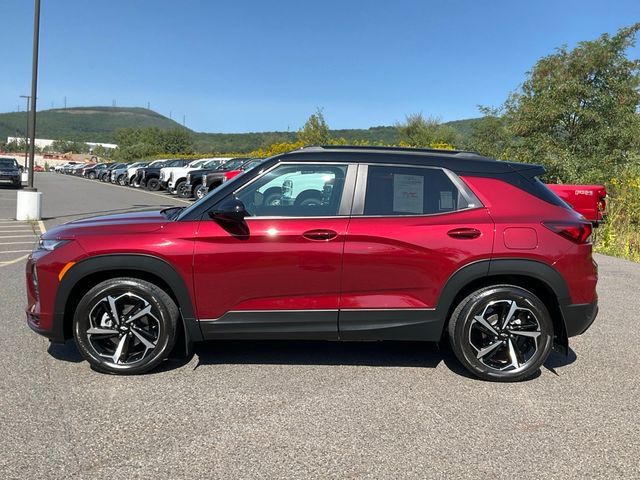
(133, 169)
(176, 177)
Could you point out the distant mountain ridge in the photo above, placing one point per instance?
(99, 124)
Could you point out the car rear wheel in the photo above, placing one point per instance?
(501, 333)
(200, 192)
(153, 184)
(186, 192)
(125, 326)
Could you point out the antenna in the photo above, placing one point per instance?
(65, 102)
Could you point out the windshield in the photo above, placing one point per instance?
(211, 164)
(232, 164)
(175, 163)
(8, 163)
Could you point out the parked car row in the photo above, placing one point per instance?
(182, 177)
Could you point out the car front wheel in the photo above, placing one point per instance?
(153, 184)
(125, 326)
(501, 333)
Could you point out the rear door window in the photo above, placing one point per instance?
(404, 190)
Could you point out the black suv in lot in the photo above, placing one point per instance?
(10, 172)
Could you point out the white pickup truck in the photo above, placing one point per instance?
(173, 178)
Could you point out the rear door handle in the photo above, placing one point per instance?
(464, 233)
(320, 235)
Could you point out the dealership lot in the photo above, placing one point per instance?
(310, 409)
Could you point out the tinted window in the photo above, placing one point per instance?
(410, 191)
(296, 191)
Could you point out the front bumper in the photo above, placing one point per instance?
(579, 317)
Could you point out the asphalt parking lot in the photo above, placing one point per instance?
(310, 409)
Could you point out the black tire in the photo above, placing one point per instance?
(501, 333)
(122, 180)
(127, 342)
(199, 192)
(180, 186)
(91, 175)
(188, 192)
(272, 197)
(153, 184)
(308, 197)
(105, 177)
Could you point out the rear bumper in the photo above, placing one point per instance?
(579, 317)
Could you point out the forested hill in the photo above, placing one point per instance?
(99, 124)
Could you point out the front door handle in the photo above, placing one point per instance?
(464, 233)
(320, 235)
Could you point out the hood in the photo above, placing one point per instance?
(123, 223)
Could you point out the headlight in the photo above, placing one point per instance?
(50, 245)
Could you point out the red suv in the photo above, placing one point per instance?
(332, 243)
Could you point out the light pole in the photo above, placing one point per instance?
(34, 93)
(29, 200)
(26, 133)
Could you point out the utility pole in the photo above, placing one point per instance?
(26, 133)
(65, 102)
(34, 93)
(29, 200)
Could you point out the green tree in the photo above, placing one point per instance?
(577, 111)
(417, 131)
(315, 131)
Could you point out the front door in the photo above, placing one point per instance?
(277, 274)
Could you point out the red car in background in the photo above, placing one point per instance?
(588, 200)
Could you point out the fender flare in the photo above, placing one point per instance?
(524, 267)
(133, 263)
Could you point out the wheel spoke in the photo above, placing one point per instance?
(512, 309)
(120, 349)
(145, 311)
(102, 331)
(513, 355)
(525, 333)
(481, 320)
(113, 309)
(489, 349)
(141, 337)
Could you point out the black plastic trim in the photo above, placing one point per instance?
(273, 325)
(579, 317)
(130, 262)
(390, 324)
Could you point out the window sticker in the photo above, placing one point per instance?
(408, 193)
(446, 200)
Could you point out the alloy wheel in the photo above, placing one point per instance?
(505, 336)
(123, 329)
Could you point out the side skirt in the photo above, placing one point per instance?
(351, 325)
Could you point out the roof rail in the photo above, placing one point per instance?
(392, 149)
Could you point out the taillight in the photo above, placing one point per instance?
(577, 232)
(602, 205)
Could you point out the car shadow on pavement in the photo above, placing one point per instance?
(66, 352)
(306, 352)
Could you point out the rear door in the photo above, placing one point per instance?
(411, 229)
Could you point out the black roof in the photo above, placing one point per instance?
(458, 161)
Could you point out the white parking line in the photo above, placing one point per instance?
(12, 243)
(11, 262)
(19, 236)
(16, 251)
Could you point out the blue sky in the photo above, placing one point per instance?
(239, 65)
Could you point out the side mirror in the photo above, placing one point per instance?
(231, 210)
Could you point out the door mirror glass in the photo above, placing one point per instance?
(230, 210)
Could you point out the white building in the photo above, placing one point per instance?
(44, 142)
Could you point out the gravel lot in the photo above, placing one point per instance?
(312, 409)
